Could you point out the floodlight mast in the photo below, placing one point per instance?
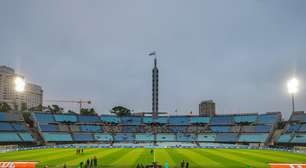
(292, 86)
(19, 88)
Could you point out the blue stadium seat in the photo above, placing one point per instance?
(130, 120)
(179, 120)
(20, 126)
(222, 120)
(268, 118)
(43, 117)
(186, 137)
(109, 119)
(65, 118)
(26, 137)
(220, 129)
(103, 137)
(11, 116)
(285, 138)
(302, 128)
(226, 137)
(150, 120)
(144, 137)
(81, 137)
(206, 137)
(130, 129)
(165, 137)
(245, 118)
(123, 137)
(259, 137)
(199, 120)
(5, 126)
(90, 128)
(48, 127)
(177, 129)
(293, 127)
(299, 138)
(9, 137)
(88, 118)
(263, 128)
(57, 137)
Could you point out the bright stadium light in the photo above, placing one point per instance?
(292, 86)
(19, 84)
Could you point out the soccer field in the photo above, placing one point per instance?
(126, 157)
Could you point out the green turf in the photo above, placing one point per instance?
(124, 157)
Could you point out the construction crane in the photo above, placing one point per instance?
(80, 102)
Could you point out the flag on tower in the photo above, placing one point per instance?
(152, 53)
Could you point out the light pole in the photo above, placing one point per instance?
(292, 86)
(19, 88)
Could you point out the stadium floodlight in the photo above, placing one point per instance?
(292, 86)
(19, 84)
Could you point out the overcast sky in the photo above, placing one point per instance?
(238, 53)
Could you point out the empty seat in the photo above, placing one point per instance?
(43, 117)
(48, 127)
(26, 137)
(88, 118)
(130, 120)
(245, 118)
(103, 137)
(226, 137)
(269, 118)
(293, 127)
(220, 129)
(186, 137)
(178, 120)
(109, 119)
(263, 128)
(260, 137)
(90, 128)
(20, 126)
(65, 118)
(299, 138)
(124, 137)
(9, 137)
(5, 126)
(165, 137)
(199, 120)
(82, 137)
(207, 137)
(144, 137)
(57, 137)
(285, 138)
(222, 120)
(302, 128)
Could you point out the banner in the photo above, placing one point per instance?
(287, 165)
(17, 164)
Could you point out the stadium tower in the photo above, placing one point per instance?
(155, 89)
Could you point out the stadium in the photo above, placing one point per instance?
(84, 49)
(238, 140)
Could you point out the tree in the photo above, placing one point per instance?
(121, 111)
(54, 108)
(27, 118)
(24, 106)
(86, 111)
(38, 108)
(4, 107)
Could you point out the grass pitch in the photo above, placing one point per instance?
(125, 157)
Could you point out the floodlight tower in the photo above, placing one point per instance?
(292, 86)
(19, 88)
